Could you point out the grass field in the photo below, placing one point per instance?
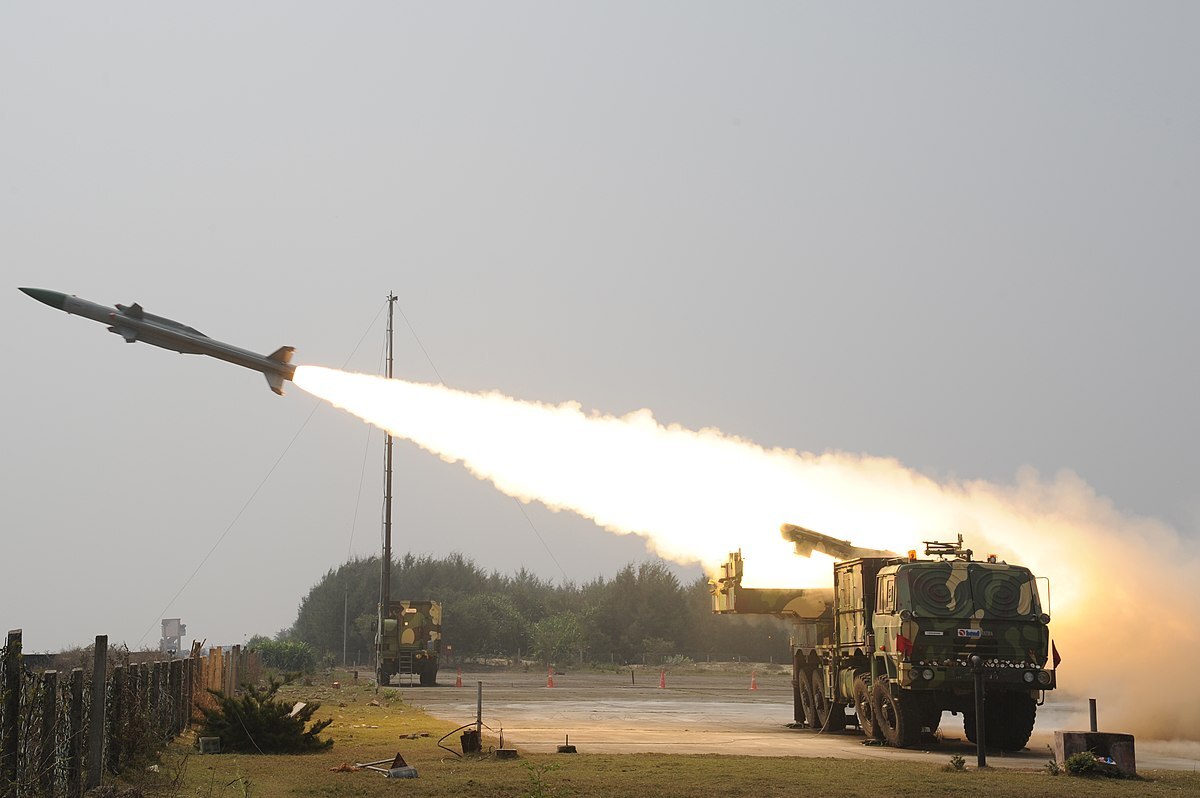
(364, 731)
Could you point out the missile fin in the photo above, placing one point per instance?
(275, 381)
(282, 355)
(129, 335)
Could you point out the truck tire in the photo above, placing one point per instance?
(830, 715)
(898, 718)
(865, 708)
(1018, 726)
(797, 675)
(931, 717)
(429, 675)
(1009, 720)
(806, 700)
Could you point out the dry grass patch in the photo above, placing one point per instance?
(364, 731)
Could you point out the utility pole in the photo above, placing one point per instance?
(385, 575)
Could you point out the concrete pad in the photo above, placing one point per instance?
(713, 713)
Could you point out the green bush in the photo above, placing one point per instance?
(258, 723)
(293, 656)
(1081, 764)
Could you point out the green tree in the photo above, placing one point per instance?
(656, 648)
(486, 614)
(349, 592)
(557, 638)
(486, 625)
(292, 656)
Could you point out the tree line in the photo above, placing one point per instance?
(642, 614)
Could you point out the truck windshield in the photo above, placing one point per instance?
(1004, 591)
(962, 590)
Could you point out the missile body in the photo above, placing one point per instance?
(134, 324)
(806, 542)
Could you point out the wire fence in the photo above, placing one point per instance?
(63, 731)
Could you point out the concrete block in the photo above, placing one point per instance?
(1118, 747)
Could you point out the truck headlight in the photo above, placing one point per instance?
(1028, 677)
(927, 674)
(1043, 677)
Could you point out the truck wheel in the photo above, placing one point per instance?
(864, 708)
(1009, 720)
(820, 702)
(429, 675)
(898, 718)
(969, 725)
(797, 676)
(931, 717)
(806, 700)
(830, 716)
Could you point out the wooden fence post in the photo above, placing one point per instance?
(230, 662)
(115, 720)
(49, 741)
(133, 712)
(95, 755)
(185, 703)
(10, 686)
(75, 741)
(175, 679)
(164, 699)
(155, 691)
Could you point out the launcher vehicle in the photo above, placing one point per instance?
(408, 642)
(890, 647)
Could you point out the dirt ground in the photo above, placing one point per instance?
(718, 713)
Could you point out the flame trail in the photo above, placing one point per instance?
(1121, 585)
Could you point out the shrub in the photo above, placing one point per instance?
(287, 655)
(1081, 764)
(258, 723)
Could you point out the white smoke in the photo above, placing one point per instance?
(1121, 586)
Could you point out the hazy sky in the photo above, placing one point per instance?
(959, 235)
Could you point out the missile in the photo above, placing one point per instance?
(806, 542)
(134, 324)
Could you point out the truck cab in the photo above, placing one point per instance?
(931, 617)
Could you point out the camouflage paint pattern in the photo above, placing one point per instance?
(949, 611)
(412, 627)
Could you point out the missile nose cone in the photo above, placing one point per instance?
(54, 299)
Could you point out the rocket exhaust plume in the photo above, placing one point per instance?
(1122, 586)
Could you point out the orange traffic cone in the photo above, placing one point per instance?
(753, 680)
(458, 678)
(550, 677)
(662, 678)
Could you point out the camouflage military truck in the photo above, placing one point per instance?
(408, 642)
(889, 648)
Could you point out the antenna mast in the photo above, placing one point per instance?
(385, 577)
